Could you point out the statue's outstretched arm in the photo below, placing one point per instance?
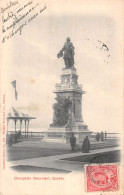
(60, 54)
(63, 49)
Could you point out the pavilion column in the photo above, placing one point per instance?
(15, 120)
(20, 124)
(25, 127)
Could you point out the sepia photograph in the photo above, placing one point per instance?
(61, 97)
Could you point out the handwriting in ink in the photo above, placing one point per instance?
(11, 4)
(17, 19)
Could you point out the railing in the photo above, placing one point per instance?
(105, 136)
(40, 135)
(29, 135)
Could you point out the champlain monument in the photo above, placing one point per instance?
(67, 116)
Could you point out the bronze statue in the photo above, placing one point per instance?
(68, 53)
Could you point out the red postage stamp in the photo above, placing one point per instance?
(101, 177)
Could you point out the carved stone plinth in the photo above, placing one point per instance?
(61, 135)
(69, 88)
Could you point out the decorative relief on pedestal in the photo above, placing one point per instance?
(62, 109)
(65, 80)
(78, 109)
(73, 80)
(69, 71)
(69, 81)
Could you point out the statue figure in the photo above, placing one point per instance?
(68, 50)
(62, 109)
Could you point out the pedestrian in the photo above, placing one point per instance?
(86, 145)
(9, 140)
(102, 136)
(97, 137)
(73, 142)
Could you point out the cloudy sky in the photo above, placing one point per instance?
(31, 60)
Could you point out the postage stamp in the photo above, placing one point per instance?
(101, 177)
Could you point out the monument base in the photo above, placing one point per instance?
(67, 110)
(61, 135)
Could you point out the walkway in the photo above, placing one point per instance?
(55, 162)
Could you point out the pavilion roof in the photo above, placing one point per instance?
(14, 114)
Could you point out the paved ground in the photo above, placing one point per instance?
(37, 148)
(54, 163)
(19, 153)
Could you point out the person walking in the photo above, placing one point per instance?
(86, 145)
(102, 136)
(97, 137)
(73, 142)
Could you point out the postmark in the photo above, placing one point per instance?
(102, 177)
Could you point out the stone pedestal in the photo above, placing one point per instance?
(62, 136)
(69, 88)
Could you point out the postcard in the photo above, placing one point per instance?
(61, 97)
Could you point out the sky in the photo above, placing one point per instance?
(31, 60)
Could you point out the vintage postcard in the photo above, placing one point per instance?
(61, 97)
